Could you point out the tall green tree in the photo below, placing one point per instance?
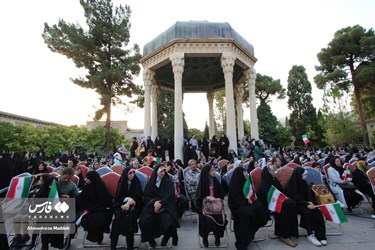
(267, 123)
(103, 51)
(348, 63)
(300, 102)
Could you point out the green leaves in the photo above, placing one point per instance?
(102, 49)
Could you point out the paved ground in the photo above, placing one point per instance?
(359, 233)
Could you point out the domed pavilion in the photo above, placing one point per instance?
(200, 56)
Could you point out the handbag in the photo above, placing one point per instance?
(213, 207)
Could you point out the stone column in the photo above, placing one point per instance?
(154, 100)
(211, 121)
(250, 76)
(178, 63)
(148, 76)
(239, 94)
(227, 63)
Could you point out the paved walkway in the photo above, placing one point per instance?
(359, 233)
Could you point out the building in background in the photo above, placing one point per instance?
(18, 119)
(121, 126)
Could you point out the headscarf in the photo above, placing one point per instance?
(236, 163)
(339, 169)
(151, 184)
(297, 187)
(236, 196)
(251, 166)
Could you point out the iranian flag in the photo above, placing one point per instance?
(53, 195)
(333, 212)
(305, 139)
(248, 190)
(20, 187)
(275, 199)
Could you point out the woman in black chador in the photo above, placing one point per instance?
(286, 222)
(95, 198)
(127, 208)
(159, 216)
(311, 217)
(209, 187)
(248, 213)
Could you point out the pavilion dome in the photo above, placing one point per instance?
(197, 30)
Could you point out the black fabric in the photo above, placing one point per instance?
(363, 185)
(164, 222)
(311, 219)
(95, 198)
(206, 224)
(286, 222)
(5, 170)
(223, 146)
(126, 222)
(248, 218)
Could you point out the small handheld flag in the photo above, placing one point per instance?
(305, 139)
(333, 212)
(275, 200)
(248, 190)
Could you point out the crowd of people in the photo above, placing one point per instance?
(177, 185)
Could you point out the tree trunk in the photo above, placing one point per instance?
(358, 96)
(108, 127)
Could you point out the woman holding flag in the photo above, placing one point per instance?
(286, 220)
(311, 217)
(248, 213)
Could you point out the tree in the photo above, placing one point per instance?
(348, 63)
(102, 51)
(283, 136)
(267, 123)
(6, 131)
(300, 102)
(341, 129)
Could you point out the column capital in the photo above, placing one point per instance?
(227, 63)
(154, 92)
(148, 77)
(250, 75)
(178, 62)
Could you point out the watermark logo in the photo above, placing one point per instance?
(46, 207)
